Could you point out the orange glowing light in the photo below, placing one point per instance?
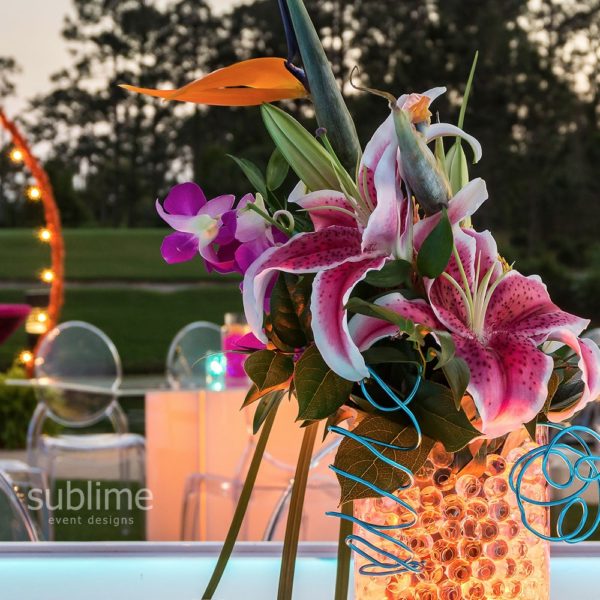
(47, 276)
(16, 155)
(26, 357)
(34, 193)
(44, 234)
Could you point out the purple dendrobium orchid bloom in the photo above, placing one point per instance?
(345, 245)
(198, 224)
(229, 240)
(497, 320)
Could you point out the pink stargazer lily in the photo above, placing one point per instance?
(352, 237)
(497, 320)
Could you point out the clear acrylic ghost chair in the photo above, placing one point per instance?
(79, 371)
(30, 486)
(194, 357)
(16, 524)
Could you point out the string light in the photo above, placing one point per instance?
(16, 155)
(26, 357)
(34, 193)
(47, 276)
(44, 234)
(41, 319)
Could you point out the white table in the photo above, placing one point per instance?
(164, 571)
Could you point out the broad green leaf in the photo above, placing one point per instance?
(436, 250)
(268, 371)
(308, 159)
(531, 428)
(277, 170)
(458, 376)
(332, 112)
(393, 274)
(252, 173)
(352, 457)
(436, 413)
(568, 392)
(319, 390)
(415, 332)
(290, 312)
(389, 354)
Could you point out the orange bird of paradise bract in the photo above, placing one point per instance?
(247, 83)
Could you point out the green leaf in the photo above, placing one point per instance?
(531, 428)
(458, 376)
(268, 371)
(415, 332)
(264, 407)
(290, 309)
(457, 167)
(319, 390)
(465, 101)
(436, 250)
(393, 274)
(252, 173)
(436, 413)
(447, 349)
(309, 160)
(277, 170)
(332, 112)
(389, 354)
(352, 457)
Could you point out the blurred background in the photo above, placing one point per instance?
(109, 154)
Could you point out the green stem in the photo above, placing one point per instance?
(268, 218)
(343, 555)
(292, 529)
(242, 506)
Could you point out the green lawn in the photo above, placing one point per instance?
(141, 323)
(96, 254)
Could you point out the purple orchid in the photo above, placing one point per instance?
(352, 237)
(198, 224)
(229, 240)
(497, 320)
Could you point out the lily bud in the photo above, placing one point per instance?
(457, 168)
(420, 168)
(309, 160)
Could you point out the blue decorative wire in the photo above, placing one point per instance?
(391, 564)
(572, 449)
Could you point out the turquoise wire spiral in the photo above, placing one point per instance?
(583, 473)
(390, 564)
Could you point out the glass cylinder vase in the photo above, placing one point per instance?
(468, 534)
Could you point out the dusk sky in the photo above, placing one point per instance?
(30, 32)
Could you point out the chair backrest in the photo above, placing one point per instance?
(15, 522)
(194, 353)
(75, 355)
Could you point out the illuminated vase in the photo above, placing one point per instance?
(468, 535)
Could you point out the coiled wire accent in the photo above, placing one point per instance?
(570, 447)
(390, 564)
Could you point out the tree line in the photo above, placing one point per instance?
(534, 107)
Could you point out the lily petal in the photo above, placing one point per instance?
(326, 217)
(464, 204)
(179, 247)
(509, 380)
(589, 365)
(331, 291)
(305, 253)
(247, 83)
(381, 233)
(523, 305)
(365, 331)
(437, 130)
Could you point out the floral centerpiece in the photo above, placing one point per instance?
(378, 307)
